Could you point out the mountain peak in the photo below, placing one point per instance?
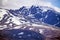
(34, 15)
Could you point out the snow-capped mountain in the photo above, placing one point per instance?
(36, 18)
(35, 15)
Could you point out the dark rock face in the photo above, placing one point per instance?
(17, 34)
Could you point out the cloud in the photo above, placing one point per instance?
(15, 4)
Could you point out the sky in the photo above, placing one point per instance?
(55, 2)
(19, 3)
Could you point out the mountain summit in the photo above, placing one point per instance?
(38, 14)
(33, 15)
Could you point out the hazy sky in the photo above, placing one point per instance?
(20, 3)
(55, 2)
